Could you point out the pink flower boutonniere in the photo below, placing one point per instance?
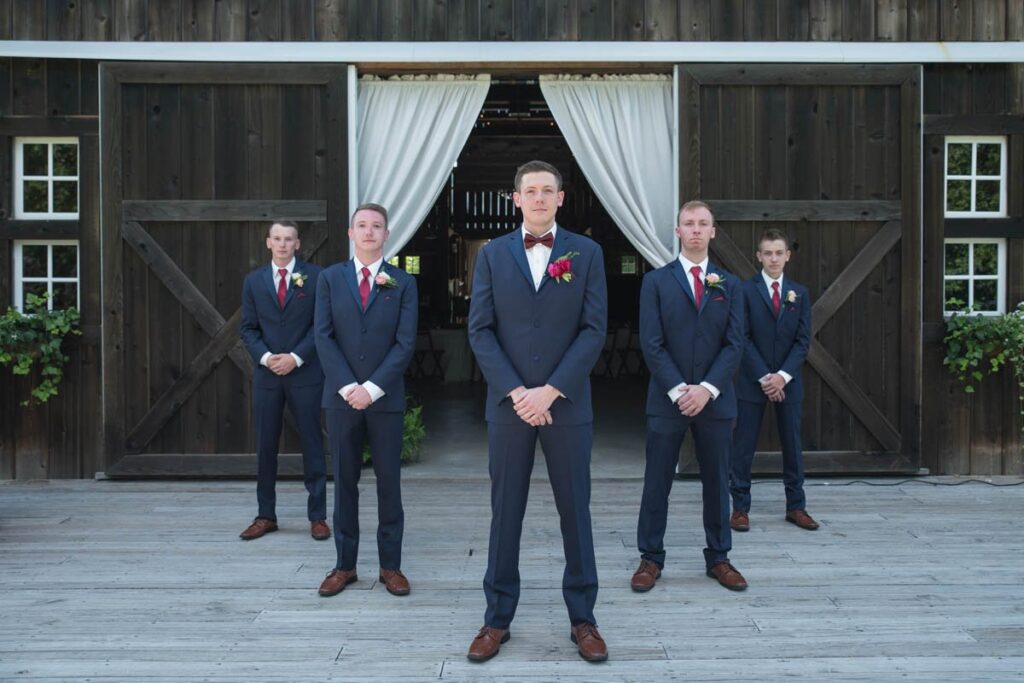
(714, 281)
(384, 280)
(298, 279)
(561, 268)
(791, 297)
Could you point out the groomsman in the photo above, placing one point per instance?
(778, 334)
(277, 330)
(691, 335)
(365, 333)
(537, 324)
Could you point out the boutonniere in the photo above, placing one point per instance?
(791, 297)
(714, 281)
(561, 268)
(298, 279)
(386, 281)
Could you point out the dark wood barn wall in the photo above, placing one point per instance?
(439, 20)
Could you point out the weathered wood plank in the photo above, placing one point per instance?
(189, 210)
(974, 124)
(911, 252)
(47, 126)
(199, 73)
(800, 74)
(41, 230)
(804, 210)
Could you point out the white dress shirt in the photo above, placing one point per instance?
(687, 264)
(538, 256)
(372, 389)
(277, 283)
(782, 300)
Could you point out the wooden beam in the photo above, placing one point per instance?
(49, 126)
(973, 124)
(911, 267)
(689, 136)
(854, 273)
(804, 210)
(221, 73)
(39, 230)
(203, 465)
(224, 210)
(800, 74)
(339, 204)
(984, 227)
(731, 256)
(820, 463)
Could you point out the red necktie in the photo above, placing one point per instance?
(364, 286)
(548, 240)
(282, 285)
(776, 299)
(698, 286)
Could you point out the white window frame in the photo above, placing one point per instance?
(973, 177)
(50, 280)
(970, 277)
(20, 178)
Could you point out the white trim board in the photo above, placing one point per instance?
(598, 52)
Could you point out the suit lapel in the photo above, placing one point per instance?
(677, 271)
(268, 277)
(349, 273)
(708, 291)
(374, 289)
(558, 249)
(290, 292)
(515, 245)
(758, 282)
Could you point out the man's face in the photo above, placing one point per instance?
(368, 231)
(283, 242)
(773, 256)
(539, 198)
(696, 229)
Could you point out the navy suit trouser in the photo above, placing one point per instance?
(347, 431)
(567, 454)
(268, 412)
(744, 443)
(712, 439)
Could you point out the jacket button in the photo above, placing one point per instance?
(364, 330)
(536, 359)
(362, 357)
(536, 323)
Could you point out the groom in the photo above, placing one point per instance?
(537, 324)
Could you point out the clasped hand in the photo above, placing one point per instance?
(773, 387)
(533, 406)
(281, 363)
(359, 398)
(693, 399)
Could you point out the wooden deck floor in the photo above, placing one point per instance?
(148, 581)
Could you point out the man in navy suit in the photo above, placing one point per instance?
(778, 335)
(365, 334)
(537, 322)
(277, 330)
(691, 335)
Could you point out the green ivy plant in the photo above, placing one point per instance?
(980, 344)
(413, 433)
(34, 338)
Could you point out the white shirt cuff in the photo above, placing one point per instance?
(786, 376)
(298, 361)
(712, 388)
(343, 392)
(674, 394)
(373, 390)
(263, 360)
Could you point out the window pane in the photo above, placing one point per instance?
(65, 160)
(393, 261)
(987, 197)
(628, 264)
(65, 260)
(988, 159)
(986, 259)
(412, 265)
(958, 195)
(956, 259)
(959, 161)
(37, 288)
(33, 260)
(35, 160)
(65, 295)
(956, 295)
(35, 199)
(985, 295)
(65, 196)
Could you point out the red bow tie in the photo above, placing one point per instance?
(548, 240)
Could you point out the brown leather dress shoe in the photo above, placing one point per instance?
(739, 521)
(336, 581)
(645, 576)
(394, 580)
(259, 527)
(589, 641)
(487, 643)
(801, 519)
(728, 576)
(319, 530)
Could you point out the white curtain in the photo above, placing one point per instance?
(620, 129)
(409, 134)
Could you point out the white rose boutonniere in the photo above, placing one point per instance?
(384, 280)
(791, 297)
(298, 279)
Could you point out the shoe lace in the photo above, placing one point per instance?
(587, 630)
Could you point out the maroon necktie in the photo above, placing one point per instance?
(364, 286)
(698, 286)
(282, 285)
(776, 299)
(548, 240)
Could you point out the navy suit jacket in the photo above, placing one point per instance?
(774, 344)
(374, 345)
(682, 344)
(529, 337)
(267, 327)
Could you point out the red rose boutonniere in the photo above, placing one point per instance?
(561, 268)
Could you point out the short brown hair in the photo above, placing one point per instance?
(537, 167)
(695, 204)
(370, 206)
(772, 234)
(284, 224)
